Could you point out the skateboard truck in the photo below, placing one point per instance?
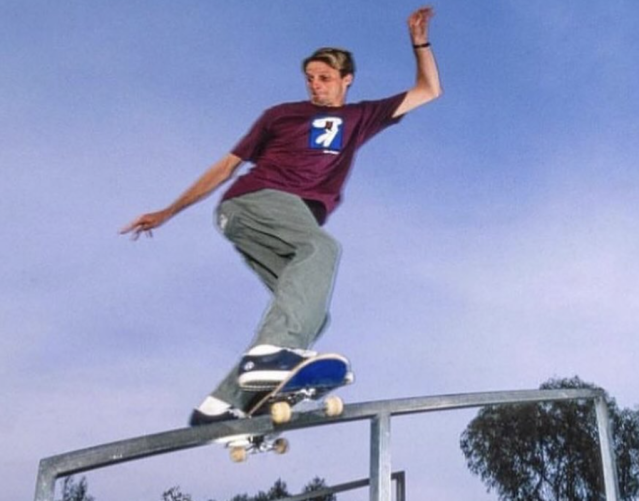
(256, 445)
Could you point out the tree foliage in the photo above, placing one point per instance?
(175, 494)
(318, 484)
(72, 491)
(550, 451)
(626, 430)
(279, 490)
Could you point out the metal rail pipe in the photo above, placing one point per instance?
(400, 488)
(379, 413)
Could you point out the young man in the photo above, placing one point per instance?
(273, 215)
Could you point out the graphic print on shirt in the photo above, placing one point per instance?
(326, 134)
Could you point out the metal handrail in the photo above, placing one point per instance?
(378, 412)
(400, 490)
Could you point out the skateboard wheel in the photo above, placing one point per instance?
(333, 406)
(238, 454)
(281, 446)
(281, 412)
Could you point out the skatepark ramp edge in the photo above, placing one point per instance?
(379, 413)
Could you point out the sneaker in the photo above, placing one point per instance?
(199, 418)
(264, 367)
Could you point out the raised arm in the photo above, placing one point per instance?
(427, 85)
(204, 186)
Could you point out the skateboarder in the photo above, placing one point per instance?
(301, 154)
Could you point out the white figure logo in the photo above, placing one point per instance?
(329, 127)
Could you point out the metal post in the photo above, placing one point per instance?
(381, 458)
(606, 445)
(45, 487)
(400, 486)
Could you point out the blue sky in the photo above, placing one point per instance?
(489, 241)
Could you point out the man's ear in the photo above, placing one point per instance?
(348, 79)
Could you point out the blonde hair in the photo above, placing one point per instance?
(338, 59)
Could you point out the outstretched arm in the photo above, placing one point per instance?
(427, 85)
(204, 186)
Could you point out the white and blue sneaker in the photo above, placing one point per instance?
(213, 410)
(265, 366)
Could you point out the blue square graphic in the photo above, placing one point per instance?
(327, 133)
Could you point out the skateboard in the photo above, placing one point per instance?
(311, 381)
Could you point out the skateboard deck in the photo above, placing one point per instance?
(312, 380)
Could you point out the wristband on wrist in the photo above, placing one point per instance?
(421, 45)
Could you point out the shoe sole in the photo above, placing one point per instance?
(262, 379)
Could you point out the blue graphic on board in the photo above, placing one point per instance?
(326, 134)
(320, 374)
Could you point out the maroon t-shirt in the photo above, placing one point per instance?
(308, 150)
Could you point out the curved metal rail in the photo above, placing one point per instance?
(379, 413)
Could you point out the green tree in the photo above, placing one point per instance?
(318, 484)
(550, 451)
(175, 494)
(279, 490)
(72, 491)
(626, 432)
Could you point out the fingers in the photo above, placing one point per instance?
(140, 225)
(136, 226)
(138, 231)
(418, 23)
(126, 229)
(427, 11)
(135, 233)
(422, 15)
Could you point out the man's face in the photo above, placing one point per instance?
(326, 87)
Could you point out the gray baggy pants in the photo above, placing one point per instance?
(294, 257)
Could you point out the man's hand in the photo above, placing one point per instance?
(418, 24)
(427, 85)
(145, 224)
(211, 179)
